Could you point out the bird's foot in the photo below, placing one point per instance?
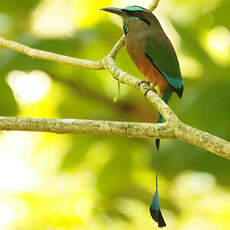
(151, 87)
(142, 82)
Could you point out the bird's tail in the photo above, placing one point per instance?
(166, 96)
(155, 206)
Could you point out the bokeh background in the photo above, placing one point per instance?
(50, 181)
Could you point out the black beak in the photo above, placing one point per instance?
(114, 10)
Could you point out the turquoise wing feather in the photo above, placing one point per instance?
(160, 52)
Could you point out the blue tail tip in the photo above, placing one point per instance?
(156, 212)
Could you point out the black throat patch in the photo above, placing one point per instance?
(126, 29)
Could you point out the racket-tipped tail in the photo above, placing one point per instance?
(156, 212)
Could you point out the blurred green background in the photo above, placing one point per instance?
(50, 181)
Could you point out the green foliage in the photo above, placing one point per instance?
(8, 105)
(18, 6)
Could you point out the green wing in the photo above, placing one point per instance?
(161, 53)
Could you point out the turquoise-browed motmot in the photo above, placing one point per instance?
(155, 57)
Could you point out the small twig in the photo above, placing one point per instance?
(118, 92)
(113, 53)
(154, 5)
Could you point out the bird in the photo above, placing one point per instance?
(155, 57)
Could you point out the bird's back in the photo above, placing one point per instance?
(154, 55)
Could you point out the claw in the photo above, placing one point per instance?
(149, 89)
(143, 81)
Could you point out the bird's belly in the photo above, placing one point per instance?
(151, 73)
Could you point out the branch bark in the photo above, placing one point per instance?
(173, 128)
(77, 126)
(49, 56)
(154, 5)
(166, 130)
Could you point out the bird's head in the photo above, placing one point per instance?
(133, 16)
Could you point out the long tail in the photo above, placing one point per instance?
(155, 206)
(166, 96)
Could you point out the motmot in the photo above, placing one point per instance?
(155, 57)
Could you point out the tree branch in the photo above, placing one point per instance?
(203, 140)
(172, 128)
(167, 130)
(130, 80)
(113, 53)
(77, 126)
(44, 55)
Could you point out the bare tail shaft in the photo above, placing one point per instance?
(155, 206)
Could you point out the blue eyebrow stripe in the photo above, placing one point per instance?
(136, 8)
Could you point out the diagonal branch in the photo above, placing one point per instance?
(203, 140)
(44, 55)
(132, 81)
(154, 5)
(121, 42)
